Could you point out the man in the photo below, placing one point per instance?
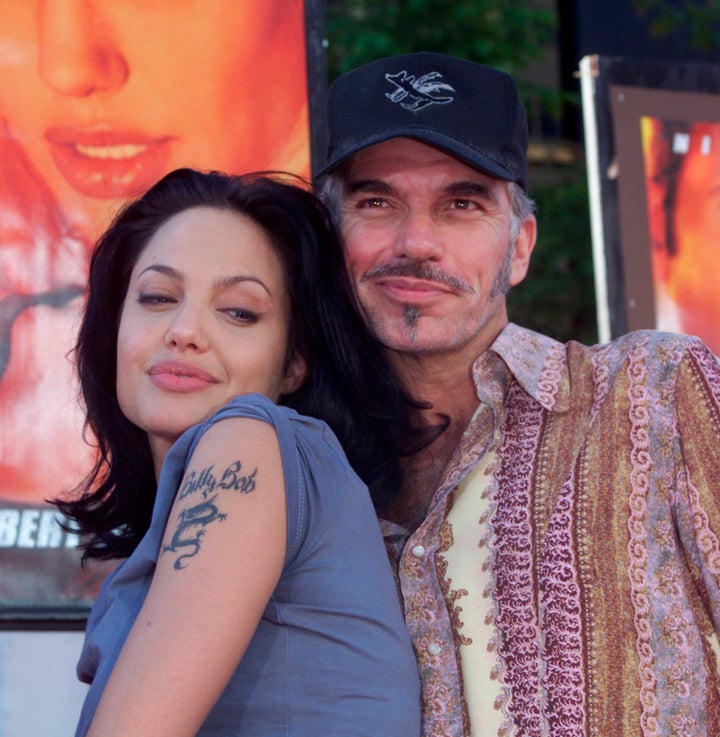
(557, 545)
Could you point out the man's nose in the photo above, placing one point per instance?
(77, 53)
(418, 238)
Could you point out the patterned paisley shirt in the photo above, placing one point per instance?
(566, 580)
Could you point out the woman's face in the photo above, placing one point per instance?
(105, 96)
(206, 318)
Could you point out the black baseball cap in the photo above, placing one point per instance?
(469, 110)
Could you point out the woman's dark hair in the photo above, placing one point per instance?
(349, 385)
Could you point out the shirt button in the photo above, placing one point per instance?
(434, 648)
(418, 551)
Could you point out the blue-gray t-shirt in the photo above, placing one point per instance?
(331, 655)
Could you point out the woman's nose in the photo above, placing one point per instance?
(186, 332)
(77, 53)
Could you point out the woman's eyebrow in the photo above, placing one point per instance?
(163, 269)
(224, 282)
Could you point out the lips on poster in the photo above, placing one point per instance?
(98, 100)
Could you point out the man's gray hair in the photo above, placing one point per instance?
(521, 208)
(330, 189)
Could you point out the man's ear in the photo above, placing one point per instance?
(295, 374)
(522, 250)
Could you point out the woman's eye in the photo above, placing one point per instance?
(241, 315)
(148, 298)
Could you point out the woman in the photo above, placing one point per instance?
(258, 600)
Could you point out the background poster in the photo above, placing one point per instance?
(97, 101)
(682, 185)
(653, 143)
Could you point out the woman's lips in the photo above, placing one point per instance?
(108, 164)
(180, 377)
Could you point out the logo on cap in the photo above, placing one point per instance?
(416, 94)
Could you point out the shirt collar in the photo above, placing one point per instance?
(538, 363)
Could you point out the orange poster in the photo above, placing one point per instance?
(652, 144)
(682, 182)
(99, 99)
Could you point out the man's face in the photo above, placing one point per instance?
(428, 248)
(106, 96)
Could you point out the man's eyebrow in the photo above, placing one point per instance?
(455, 189)
(472, 189)
(375, 186)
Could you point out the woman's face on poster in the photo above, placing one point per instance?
(105, 96)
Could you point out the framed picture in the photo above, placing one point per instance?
(97, 102)
(653, 146)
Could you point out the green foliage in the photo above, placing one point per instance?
(557, 296)
(502, 33)
(701, 18)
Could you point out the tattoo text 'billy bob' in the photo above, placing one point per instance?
(193, 520)
(205, 482)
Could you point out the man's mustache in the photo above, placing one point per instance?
(418, 270)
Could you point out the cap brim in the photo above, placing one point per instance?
(470, 156)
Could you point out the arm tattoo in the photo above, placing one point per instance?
(193, 519)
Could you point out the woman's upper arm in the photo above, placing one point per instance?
(220, 560)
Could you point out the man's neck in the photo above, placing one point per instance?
(446, 384)
(443, 380)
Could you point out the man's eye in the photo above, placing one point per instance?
(372, 202)
(463, 205)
